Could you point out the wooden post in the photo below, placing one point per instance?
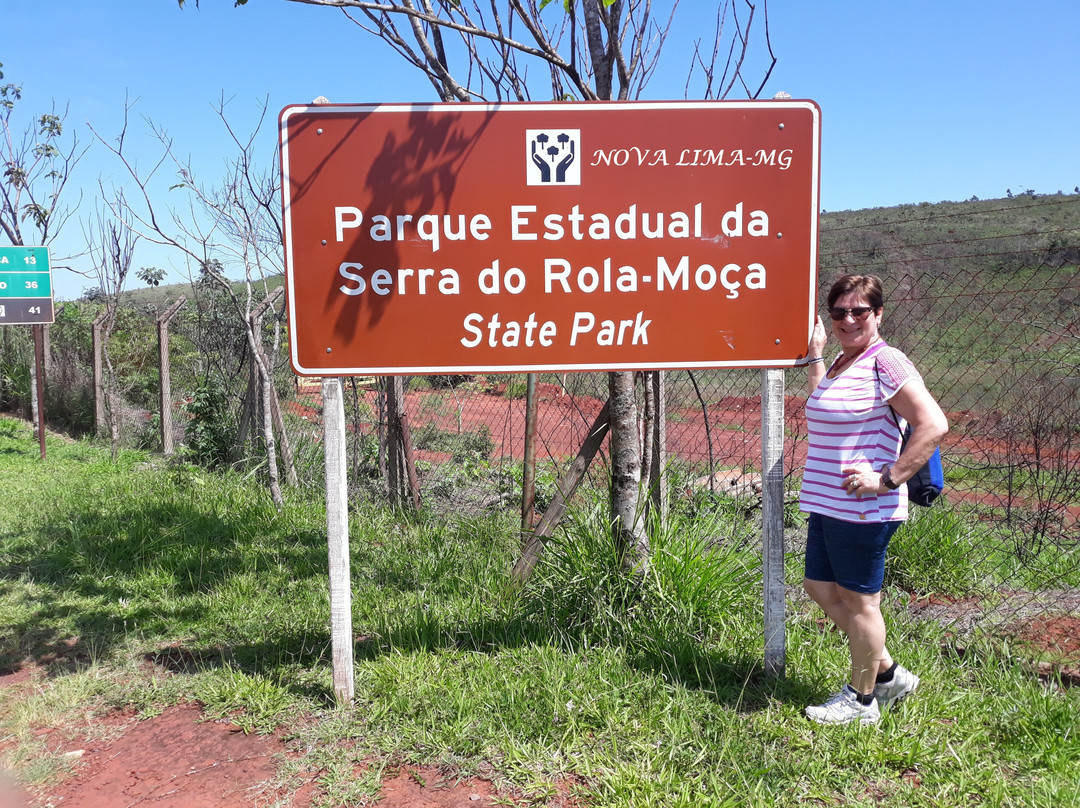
(409, 459)
(99, 382)
(395, 462)
(402, 481)
(164, 376)
(382, 428)
(528, 465)
(337, 538)
(658, 493)
(772, 511)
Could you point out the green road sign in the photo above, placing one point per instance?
(25, 286)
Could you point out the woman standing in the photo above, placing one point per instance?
(853, 487)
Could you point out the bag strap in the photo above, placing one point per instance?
(896, 418)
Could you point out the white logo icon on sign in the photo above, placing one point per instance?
(552, 156)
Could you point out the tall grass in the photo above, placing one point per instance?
(625, 692)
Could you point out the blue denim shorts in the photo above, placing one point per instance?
(849, 554)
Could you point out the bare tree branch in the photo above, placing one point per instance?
(239, 220)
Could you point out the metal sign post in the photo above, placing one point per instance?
(772, 514)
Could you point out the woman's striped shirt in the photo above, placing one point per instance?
(850, 423)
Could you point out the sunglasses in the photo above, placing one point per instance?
(857, 313)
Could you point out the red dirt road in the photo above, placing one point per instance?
(178, 760)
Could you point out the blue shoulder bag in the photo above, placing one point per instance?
(928, 482)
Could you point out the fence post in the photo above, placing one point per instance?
(772, 509)
(164, 376)
(99, 383)
(408, 457)
(394, 462)
(658, 493)
(337, 538)
(402, 481)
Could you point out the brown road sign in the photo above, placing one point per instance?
(559, 236)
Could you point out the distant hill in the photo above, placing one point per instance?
(971, 236)
(159, 297)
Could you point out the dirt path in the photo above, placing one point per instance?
(179, 760)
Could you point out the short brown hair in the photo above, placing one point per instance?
(866, 286)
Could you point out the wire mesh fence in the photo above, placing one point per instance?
(983, 297)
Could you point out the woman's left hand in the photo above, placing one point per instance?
(861, 481)
(818, 337)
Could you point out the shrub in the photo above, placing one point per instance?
(208, 439)
(932, 552)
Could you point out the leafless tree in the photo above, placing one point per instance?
(602, 50)
(111, 245)
(234, 224)
(37, 160)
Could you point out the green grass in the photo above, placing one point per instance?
(629, 694)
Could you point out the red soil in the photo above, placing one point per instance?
(179, 760)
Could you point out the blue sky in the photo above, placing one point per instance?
(921, 101)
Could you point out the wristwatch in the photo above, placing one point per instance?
(886, 478)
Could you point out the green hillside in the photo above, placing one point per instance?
(952, 237)
(158, 297)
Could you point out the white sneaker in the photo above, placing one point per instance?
(903, 683)
(844, 708)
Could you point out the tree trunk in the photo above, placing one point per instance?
(165, 376)
(271, 401)
(630, 537)
(99, 387)
(268, 437)
(265, 417)
(648, 420)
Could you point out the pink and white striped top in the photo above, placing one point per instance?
(850, 423)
